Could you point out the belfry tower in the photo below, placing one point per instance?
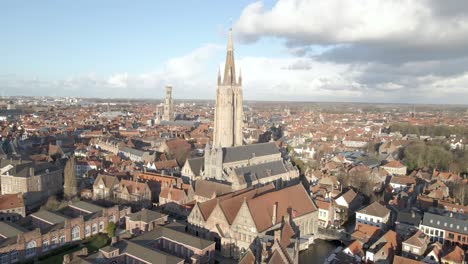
(229, 115)
(168, 114)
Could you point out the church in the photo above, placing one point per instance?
(228, 160)
(266, 211)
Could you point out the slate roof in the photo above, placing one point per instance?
(375, 209)
(133, 151)
(169, 233)
(146, 216)
(9, 230)
(50, 217)
(255, 172)
(87, 207)
(196, 164)
(246, 152)
(146, 253)
(23, 169)
(409, 218)
(457, 223)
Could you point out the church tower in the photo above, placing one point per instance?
(229, 115)
(168, 115)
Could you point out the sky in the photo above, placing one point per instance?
(392, 51)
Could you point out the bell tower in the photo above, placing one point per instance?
(229, 115)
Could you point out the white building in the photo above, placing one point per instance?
(374, 215)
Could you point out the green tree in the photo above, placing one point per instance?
(431, 155)
(111, 229)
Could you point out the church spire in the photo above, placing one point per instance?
(229, 67)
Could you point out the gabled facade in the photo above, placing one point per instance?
(237, 219)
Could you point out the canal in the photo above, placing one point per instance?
(318, 252)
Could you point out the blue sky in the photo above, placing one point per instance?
(55, 39)
(307, 50)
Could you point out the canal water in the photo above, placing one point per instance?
(318, 252)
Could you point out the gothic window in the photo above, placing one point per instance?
(62, 239)
(87, 230)
(75, 233)
(31, 248)
(94, 228)
(45, 245)
(54, 241)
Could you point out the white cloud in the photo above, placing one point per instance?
(188, 74)
(369, 50)
(412, 22)
(119, 80)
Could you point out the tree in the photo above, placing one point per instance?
(111, 229)
(432, 155)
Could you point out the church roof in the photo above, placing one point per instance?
(196, 164)
(252, 173)
(233, 154)
(293, 198)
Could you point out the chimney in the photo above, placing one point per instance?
(273, 217)
(114, 240)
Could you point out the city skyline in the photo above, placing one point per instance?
(392, 52)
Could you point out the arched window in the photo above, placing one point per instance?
(112, 218)
(75, 233)
(101, 226)
(31, 249)
(54, 242)
(87, 231)
(94, 228)
(62, 239)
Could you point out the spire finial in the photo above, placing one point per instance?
(230, 46)
(229, 67)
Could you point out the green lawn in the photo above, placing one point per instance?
(93, 244)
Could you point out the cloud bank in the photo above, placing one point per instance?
(392, 50)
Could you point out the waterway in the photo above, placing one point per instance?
(318, 252)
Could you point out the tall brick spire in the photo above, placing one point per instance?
(229, 115)
(229, 67)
